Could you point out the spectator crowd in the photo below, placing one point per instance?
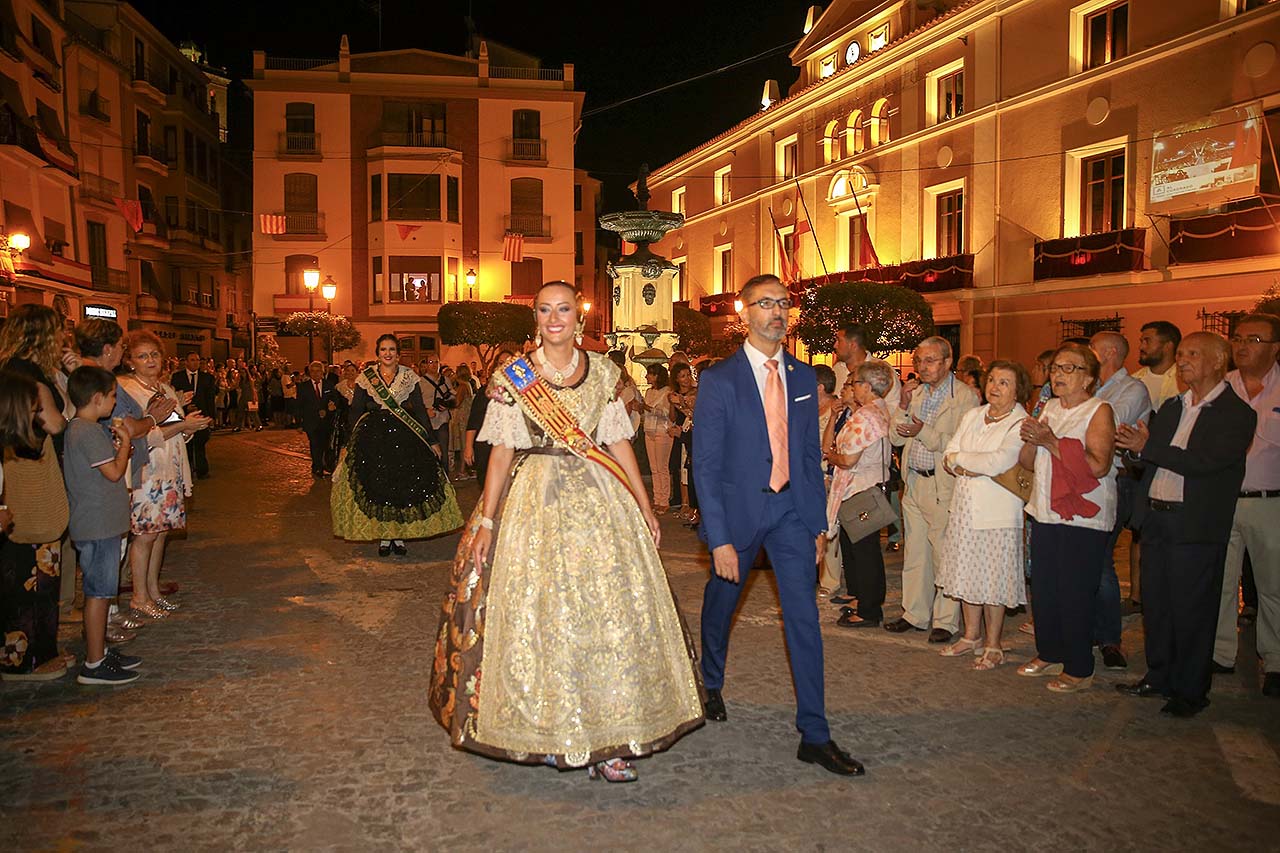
(1006, 487)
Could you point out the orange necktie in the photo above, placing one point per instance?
(775, 416)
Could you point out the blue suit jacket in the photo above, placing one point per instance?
(732, 459)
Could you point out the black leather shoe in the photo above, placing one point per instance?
(1219, 669)
(1142, 689)
(1113, 658)
(842, 599)
(384, 550)
(830, 757)
(1271, 684)
(714, 707)
(939, 635)
(1183, 708)
(900, 626)
(399, 548)
(893, 547)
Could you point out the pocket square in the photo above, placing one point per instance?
(798, 399)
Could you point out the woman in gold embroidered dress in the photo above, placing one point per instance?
(571, 626)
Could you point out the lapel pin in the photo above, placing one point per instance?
(790, 367)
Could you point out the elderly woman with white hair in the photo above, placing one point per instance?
(861, 460)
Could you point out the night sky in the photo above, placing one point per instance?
(617, 52)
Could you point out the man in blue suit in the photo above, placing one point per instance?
(757, 470)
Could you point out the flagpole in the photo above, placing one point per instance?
(866, 229)
(816, 244)
(788, 268)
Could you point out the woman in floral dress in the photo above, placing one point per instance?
(559, 602)
(159, 504)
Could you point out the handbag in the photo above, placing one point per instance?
(867, 511)
(1018, 480)
(37, 497)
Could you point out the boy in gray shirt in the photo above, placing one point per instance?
(94, 470)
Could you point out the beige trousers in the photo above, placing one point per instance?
(1254, 530)
(924, 519)
(658, 446)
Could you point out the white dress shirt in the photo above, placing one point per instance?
(1262, 463)
(1167, 485)
(192, 375)
(761, 373)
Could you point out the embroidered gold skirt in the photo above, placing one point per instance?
(569, 647)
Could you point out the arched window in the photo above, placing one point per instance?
(831, 142)
(880, 122)
(854, 140)
(526, 208)
(294, 267)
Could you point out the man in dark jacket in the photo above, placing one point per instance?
(203, 387)
(317, 410)
(1193, 457)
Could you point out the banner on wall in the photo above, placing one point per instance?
(1207, 162)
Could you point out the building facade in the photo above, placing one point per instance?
(399, 175)
(588, 271)
(1010, 160)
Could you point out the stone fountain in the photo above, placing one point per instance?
(642, 308)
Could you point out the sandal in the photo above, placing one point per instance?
(616, 770)
(148, 611)
(991, 658)
(1067, 684)
(1028, 628)
(1040, 669)
(166, 604)
(963, 646)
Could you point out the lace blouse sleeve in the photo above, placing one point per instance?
(504, 426)
(615, 424)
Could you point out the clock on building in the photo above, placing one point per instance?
(852, 53)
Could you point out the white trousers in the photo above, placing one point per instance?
(924, 519)
(1254, 530)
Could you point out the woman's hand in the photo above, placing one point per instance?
(194, 423)
(481, 545)
(1036, 433)
(655, 529)
(6, 520)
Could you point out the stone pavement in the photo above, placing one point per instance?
(284, 709)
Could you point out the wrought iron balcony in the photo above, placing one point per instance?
(529, 224)
(299, 144)
(109, 280)
(96, 186)
(94, 105)
(527, 150)
(414, 139)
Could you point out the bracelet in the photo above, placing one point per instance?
(154, 422)
(486, 522)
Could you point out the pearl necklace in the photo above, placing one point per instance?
(557, 374)
(990, 420)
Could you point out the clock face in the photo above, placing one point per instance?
(852, 53)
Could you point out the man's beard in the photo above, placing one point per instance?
(1148, 360)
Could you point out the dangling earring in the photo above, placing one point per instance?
(537, 338)
(578, 330)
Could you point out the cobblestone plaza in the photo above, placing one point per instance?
(284, 708)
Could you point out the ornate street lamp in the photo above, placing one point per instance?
(329, 290)
(311, 280)
(470, 277)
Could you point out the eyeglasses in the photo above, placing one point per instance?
(931, 360)
(1251, 339)
(768, 303)
(1068, 369)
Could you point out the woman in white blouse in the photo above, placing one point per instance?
(981, 561)
(657, 438)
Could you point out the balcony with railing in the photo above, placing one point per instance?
(94, 105)
(199, 311)
(511, 73)
(299, 146)
(88, 33)
(98, 188)
(151, 82)
(535, 226)
(1247, 233)
(108, 280)
(411, 139)
(530, 152)
(1091, 254)
(20, 137)
(301, 225)
(149, 154)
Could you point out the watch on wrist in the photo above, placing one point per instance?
(486, 522)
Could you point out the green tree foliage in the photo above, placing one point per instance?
(487, 326)
(694, 330)
(1270, 301)
(331, 329)
(896, 317)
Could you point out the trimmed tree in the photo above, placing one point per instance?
(1270, 301)
(693, 328)
(487, 326)
(332, 329)
(895, 317)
